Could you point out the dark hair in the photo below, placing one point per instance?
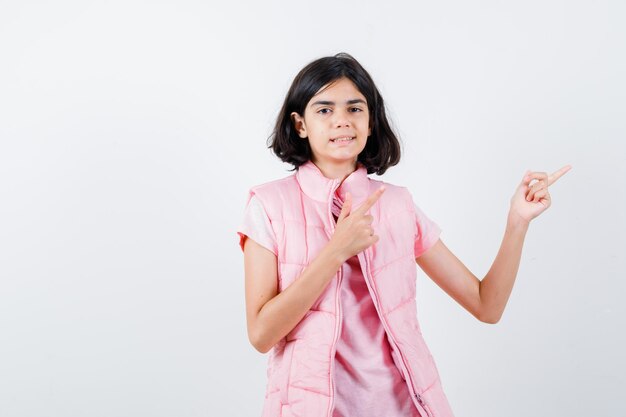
(382, 149)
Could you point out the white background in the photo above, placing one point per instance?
(130, 133)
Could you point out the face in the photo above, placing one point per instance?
(336, 124)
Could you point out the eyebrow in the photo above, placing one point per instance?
(332, 103)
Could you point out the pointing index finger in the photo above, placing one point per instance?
(371, 200)
(558, 174)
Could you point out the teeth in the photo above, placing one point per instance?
(342, 139)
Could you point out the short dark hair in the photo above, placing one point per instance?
(382, 149)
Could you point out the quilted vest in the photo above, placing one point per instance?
(300, 366)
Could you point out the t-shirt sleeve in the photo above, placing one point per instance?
(427, 232)
(256, 225)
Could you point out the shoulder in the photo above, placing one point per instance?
(274, 195)
(274, 185)
(273, 190)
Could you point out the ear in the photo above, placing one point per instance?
(298, 124)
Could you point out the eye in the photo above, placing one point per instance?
(355, 109)
(324, 110)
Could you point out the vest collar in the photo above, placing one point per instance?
(315, 185)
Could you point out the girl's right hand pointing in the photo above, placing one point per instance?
(354, 232)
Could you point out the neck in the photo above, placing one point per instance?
(336, 171)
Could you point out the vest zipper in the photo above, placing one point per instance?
(422, 403)
(334, 349)
(337, 308)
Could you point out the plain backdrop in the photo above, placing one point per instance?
(131, 131)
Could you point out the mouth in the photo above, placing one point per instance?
(343, 139)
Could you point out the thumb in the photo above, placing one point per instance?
(345, 209)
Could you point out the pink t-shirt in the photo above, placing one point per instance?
(367, 382)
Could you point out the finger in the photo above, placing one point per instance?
(539, 185)
(540, 181)
(532, 175)
(535, 175)
(540, 194)
(545, 200)
(370, 200)
(345, 209)
(532, 189)
(558, 174)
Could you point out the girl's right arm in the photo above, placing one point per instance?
(271, 315)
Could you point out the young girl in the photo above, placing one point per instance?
(330, 264)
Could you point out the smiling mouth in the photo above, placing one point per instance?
(343, 139)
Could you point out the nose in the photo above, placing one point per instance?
(342, 119)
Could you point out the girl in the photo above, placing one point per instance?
(330, 264)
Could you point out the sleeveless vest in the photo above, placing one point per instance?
(300, 366)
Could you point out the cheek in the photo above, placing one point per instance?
(363, 128)
(365, 123)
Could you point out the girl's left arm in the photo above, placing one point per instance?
(487, 298)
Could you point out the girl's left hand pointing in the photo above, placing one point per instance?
(529, 201)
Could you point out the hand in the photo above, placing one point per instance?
(529, 201)
(354, 233)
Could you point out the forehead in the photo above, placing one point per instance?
(339, 90)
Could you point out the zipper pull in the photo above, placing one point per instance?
(423, 404)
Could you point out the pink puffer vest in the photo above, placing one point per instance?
(300, 366)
